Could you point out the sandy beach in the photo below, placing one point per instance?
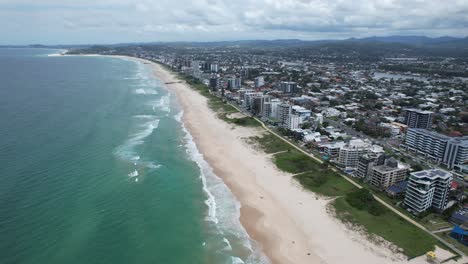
(290, 224)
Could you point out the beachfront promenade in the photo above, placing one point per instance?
(387, 205)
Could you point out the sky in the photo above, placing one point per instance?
(123, 21)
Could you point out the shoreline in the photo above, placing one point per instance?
(280, 236)
(291, 225)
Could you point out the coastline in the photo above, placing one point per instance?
(290, 224)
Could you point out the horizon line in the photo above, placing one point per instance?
(236, 40)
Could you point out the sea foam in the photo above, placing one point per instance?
(223, 207)
(162, 103)
(127, 151)
(146, 91)
(146, 85)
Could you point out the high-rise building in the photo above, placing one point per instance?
(196, 69)
(249, 98)
(349, 153)
(259, 82)
(331, 149)
(415, 118)
(365, 164)
(233, 83)
(237, 83)
(427, 189)
(266, 110)
(206, 66)
(274, 108)
(259, 102)
(302, 112)
(214, 83)
(214, 67)
(452, 152)
(288, 87)
(284, 110)
(245, 73)
(387, 174)
(294, 122)
(187, 63)
(456, 154)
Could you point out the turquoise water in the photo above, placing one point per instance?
(96, 167)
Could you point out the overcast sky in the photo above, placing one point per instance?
(115, 21)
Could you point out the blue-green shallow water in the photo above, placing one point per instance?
(95, 167)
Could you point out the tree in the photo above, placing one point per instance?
(417, 167)
(306, 125)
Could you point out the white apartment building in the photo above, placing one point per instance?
(332, 150)
(349, 153)
(302, 112)
(450, 151)
(427, 189)
(259, 81)
(294, 121)
(274, 108)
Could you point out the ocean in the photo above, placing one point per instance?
(96, 167)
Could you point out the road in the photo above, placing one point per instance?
(357, 185)
(354, 133)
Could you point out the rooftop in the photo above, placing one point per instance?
(419, 111)
(432, 174)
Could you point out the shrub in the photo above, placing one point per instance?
(362, 199)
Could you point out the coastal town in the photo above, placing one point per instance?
(234, 132)
(399, 132)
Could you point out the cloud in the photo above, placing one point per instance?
(148, 20)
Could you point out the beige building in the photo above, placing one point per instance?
(387, 174)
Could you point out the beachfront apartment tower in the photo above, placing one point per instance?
(259, 102)
(427, 189)
(365, 164)
(387, 174)
(266, 110)
(349, 153)
(294, 121)
(275, 102)
(284, 111)
(415, 118)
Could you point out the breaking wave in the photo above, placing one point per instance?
(223, 208)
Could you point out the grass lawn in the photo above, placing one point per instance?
(325, 182)
(412, 240)
(243, 121)
(295, 162)
(435, 222)
(271, 143)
